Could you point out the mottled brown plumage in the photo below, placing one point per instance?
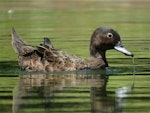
(46, 58)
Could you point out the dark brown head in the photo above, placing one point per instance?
(103, 39)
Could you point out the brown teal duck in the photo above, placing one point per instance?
(46, 58)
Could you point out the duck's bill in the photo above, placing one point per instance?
(119, 47)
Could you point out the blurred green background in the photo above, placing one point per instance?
(70, 23)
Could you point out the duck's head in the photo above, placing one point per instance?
(103, 39)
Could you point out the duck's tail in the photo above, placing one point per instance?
(19, 45)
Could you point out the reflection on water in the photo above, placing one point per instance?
(64, 93)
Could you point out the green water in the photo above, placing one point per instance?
(123, 88)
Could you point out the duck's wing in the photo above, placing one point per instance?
(49, 48)
(47, 42)
(19, 45)
(57, 59)
(46, 46)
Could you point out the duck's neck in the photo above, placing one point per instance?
(99, 54)
(103, 54)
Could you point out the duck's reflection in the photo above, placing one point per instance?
(63, 93)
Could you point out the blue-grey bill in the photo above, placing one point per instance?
(123, 50)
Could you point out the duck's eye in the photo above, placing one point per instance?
(109, 35)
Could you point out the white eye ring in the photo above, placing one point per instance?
(109, 35)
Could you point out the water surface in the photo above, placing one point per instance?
(123, 88)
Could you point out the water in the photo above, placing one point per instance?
(87, 91)
(68, 93)
(122, 88)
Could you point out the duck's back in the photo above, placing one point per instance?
(56, 60)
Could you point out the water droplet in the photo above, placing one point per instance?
(10, 11)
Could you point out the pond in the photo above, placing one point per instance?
(122, 88)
